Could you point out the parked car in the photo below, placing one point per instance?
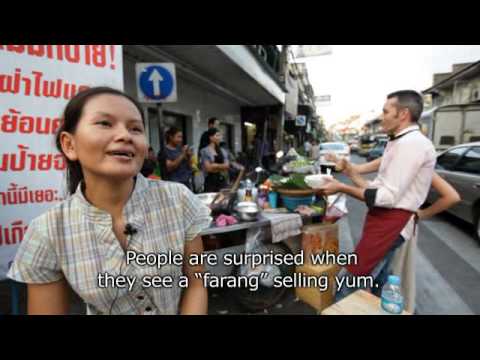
(378, 150)
(340, 149)
(354, 145)
(460, 166)
(367, 142)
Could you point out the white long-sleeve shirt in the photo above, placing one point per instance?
(405, 174)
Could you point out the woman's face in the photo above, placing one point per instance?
(177, 139)
(216, 139)
(109, 140)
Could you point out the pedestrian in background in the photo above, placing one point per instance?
(213, 123)
(214, 162)
(178, 158)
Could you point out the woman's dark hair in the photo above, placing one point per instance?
(211, 121)
(211, 132)
(70, 119)
(170, 133)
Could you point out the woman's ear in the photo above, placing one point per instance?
(68, 146)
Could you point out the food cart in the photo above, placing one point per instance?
(262, 235)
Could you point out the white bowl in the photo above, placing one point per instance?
(317, 181)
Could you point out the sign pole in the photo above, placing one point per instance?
(161, 126)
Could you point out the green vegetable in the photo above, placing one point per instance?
(277, 180)
(318, 209)
(296, 181)
(299, 163)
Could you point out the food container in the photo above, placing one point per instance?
(247, 211)
(292, 202)
(317, 181)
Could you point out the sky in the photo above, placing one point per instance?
(358, 77)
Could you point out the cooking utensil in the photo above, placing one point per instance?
(247, 211)
(207, 198)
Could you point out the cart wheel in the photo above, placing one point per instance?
(265, 297)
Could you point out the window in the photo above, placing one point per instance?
(447, 140)
(227, 135)
(448, 160)
(470, 163)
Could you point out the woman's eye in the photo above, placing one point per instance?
(103, 123)
(138, 130)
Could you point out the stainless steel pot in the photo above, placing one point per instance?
(247, 211)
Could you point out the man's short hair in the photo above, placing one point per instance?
(212, 120)
(411, 100)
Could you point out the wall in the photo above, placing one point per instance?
(195, 102)
(462, 95)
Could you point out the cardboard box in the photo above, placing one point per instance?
(314, 297)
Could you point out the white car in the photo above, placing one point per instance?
(341, 150)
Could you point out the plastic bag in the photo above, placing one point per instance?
(337, 206)
(254, 244)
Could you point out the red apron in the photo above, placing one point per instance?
(382, 227)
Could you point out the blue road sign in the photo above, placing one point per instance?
(156, 82)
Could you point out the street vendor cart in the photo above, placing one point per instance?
(275, 231)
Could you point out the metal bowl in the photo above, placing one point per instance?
(247, 211)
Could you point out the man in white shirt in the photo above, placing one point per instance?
(400, 188)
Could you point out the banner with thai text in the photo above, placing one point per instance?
(36, 82)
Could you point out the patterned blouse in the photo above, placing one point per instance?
(74, 240)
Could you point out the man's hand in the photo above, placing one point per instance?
(332, 187)
(341, 164)
(422, 215)
(331, 157)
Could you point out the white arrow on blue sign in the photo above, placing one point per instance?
(156, 82)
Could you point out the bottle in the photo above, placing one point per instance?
(248, 191)
(392, 298)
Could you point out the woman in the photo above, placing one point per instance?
(178, 158)
(214, 162)
(112, 210)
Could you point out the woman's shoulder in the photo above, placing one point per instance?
(56, 216)
(166, 188)
(207, 152)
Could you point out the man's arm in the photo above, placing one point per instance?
(354, 191)
(347, 167)
(334, 186)
(368, 167)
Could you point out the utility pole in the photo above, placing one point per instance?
(283, 69)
